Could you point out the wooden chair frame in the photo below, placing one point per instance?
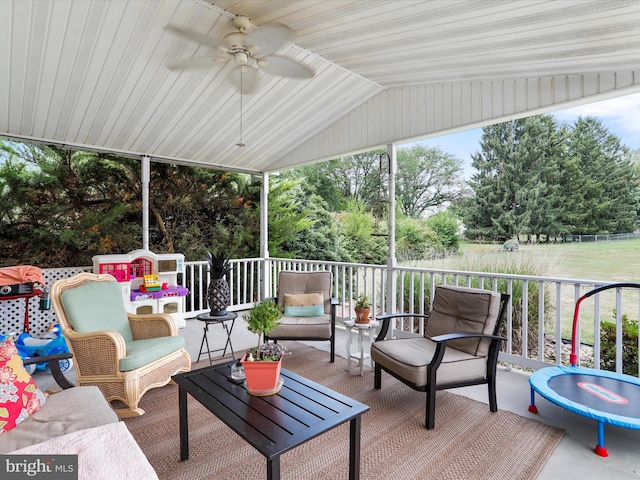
(97, 354)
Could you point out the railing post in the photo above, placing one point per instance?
(391, 258)
(264, 236)
(145, 165)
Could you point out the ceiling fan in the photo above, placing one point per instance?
(249, 50)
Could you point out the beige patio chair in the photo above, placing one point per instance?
(310, 311)
(459, 348)
(123, 354)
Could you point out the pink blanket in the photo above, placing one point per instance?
(21, 274)
(104, 453)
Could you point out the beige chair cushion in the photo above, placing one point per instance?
(303, 327)
(65, 412)
(459, 309)
(305, 282)
(409, 357)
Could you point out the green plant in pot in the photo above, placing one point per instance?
(218, 293)
(363, 309)
(262, 364)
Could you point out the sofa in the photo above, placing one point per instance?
(80, 421)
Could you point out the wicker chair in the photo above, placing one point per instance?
(123, 354)
(306, 321)
(459, 348)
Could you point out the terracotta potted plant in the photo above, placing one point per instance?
(262, 364)
(363, 309)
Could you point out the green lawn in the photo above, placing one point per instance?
(617, 261)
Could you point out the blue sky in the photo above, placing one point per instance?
(620, 115)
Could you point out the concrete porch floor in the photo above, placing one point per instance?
(573, 458)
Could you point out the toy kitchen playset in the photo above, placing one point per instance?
(149, 281)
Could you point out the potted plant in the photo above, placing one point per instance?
(262, 364)
(363, 309)
(218, 294)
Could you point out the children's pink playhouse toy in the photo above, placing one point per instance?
(161, 292)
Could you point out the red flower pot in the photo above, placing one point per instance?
(261, 376)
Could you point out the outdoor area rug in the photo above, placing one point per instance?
(468, 442)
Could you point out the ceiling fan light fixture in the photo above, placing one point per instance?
(241, 58)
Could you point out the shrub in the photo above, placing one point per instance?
(416, 241)
(629, 346)
(446, 227)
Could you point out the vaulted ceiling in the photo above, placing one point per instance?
(94, 73)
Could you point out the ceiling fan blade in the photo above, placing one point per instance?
(285, 67)
(197, 62)
(244, 78)
(196, 37)
(270, 37)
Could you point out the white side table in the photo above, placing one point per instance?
(360, 355)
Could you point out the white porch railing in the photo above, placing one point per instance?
(536, 302)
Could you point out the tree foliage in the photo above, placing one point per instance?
(606, 200)
(61, 207)
(535, 177)
(427, 178)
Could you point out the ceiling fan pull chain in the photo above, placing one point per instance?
(241, 144)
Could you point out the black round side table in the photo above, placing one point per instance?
(209, 319)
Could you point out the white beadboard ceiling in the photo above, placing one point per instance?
(93, 73)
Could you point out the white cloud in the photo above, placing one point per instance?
(621, 112)
(620, 115)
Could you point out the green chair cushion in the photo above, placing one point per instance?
(97, 306)
(143, 352)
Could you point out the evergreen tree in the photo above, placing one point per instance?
(607, 183)
(495, 211)
(542, 149)
(517, 184)
(319, 240)
(61, 207)
(288, 216)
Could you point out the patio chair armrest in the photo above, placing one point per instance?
(54, 365)
(152, 325)
(441, 341)
(333, 307)
(455, 336)
(105, 343)
(386, 320)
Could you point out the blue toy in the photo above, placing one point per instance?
(49, 343)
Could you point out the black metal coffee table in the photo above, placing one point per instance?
(275, 424)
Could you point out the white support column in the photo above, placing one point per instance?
(146, 179)
(264, 236)
(391, 258)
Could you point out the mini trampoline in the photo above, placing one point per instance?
(607, 397)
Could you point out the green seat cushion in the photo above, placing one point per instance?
(143, 352)
(97, 306)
